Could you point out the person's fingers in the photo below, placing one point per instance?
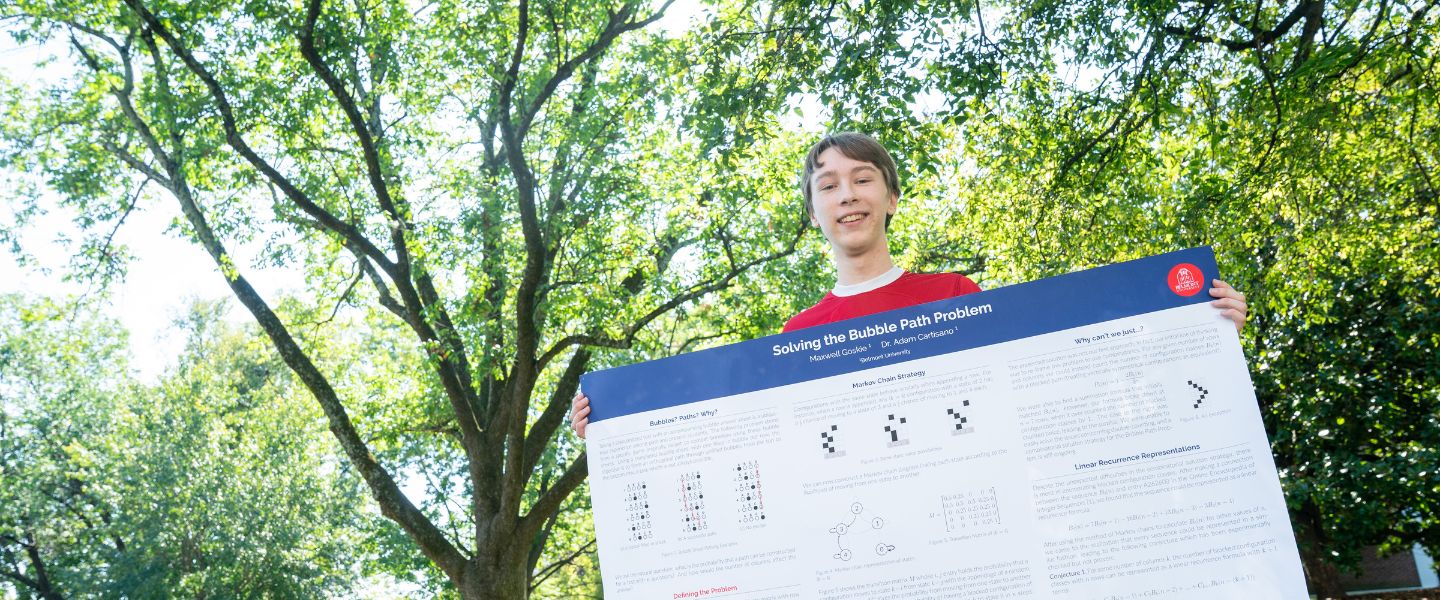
(1231, 303)
(1235, 316)
(581, 422)
(1225, 290)
(580, 414)
(581, 401)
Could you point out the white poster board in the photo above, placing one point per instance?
(1093, 435)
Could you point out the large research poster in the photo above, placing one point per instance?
(1093, 435)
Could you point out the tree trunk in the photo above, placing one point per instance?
(1324, 578)
(1320, 573)
(504, 579)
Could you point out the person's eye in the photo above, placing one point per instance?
(827, 186)
(863, 180)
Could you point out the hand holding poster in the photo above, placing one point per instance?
(1092, 435)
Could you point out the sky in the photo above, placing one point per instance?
(168, 273)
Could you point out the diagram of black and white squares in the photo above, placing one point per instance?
(960, 420)
(832, 450)
(892, 429)
(637, 512)
(1202, 391)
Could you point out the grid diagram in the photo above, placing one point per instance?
(960, 419)
(892, 429)
(828, 445)
(637, 512)
(692, 502)
(749, 492)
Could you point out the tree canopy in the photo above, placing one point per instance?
(216, 481)
(488, 199)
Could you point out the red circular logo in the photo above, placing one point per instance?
(1186, 279)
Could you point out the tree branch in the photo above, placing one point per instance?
(127, 107)
(9, 557)
(44, 586)
(30, 583)
(344, 295)
(1314, 18)
(237, 141)
(135, 163)
(628, 336)
(1123, 115)
(512, 73)
(362, 133)
(541, 575)
(555, 410)
(454, 378)
(618, 24)
(162, 84)
(1258, 39)
(524, 372)
(392, 501)
(685, 346)
(381, 289)
(129, 208)
(549, 502)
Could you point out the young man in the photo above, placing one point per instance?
(851, 191)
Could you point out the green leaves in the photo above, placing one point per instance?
(654, 175)
(216, 480)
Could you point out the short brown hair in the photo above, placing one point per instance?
(854, 145)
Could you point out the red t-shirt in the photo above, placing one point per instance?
(910, 289)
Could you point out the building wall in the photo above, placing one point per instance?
(1396, 571)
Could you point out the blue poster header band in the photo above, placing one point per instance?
(991, 317)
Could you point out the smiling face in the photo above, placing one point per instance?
(850, 200)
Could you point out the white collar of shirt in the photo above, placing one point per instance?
(876, 283)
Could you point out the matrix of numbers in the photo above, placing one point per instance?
(637, 511)
(749, 494)
(692, 502)
(972, 509)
